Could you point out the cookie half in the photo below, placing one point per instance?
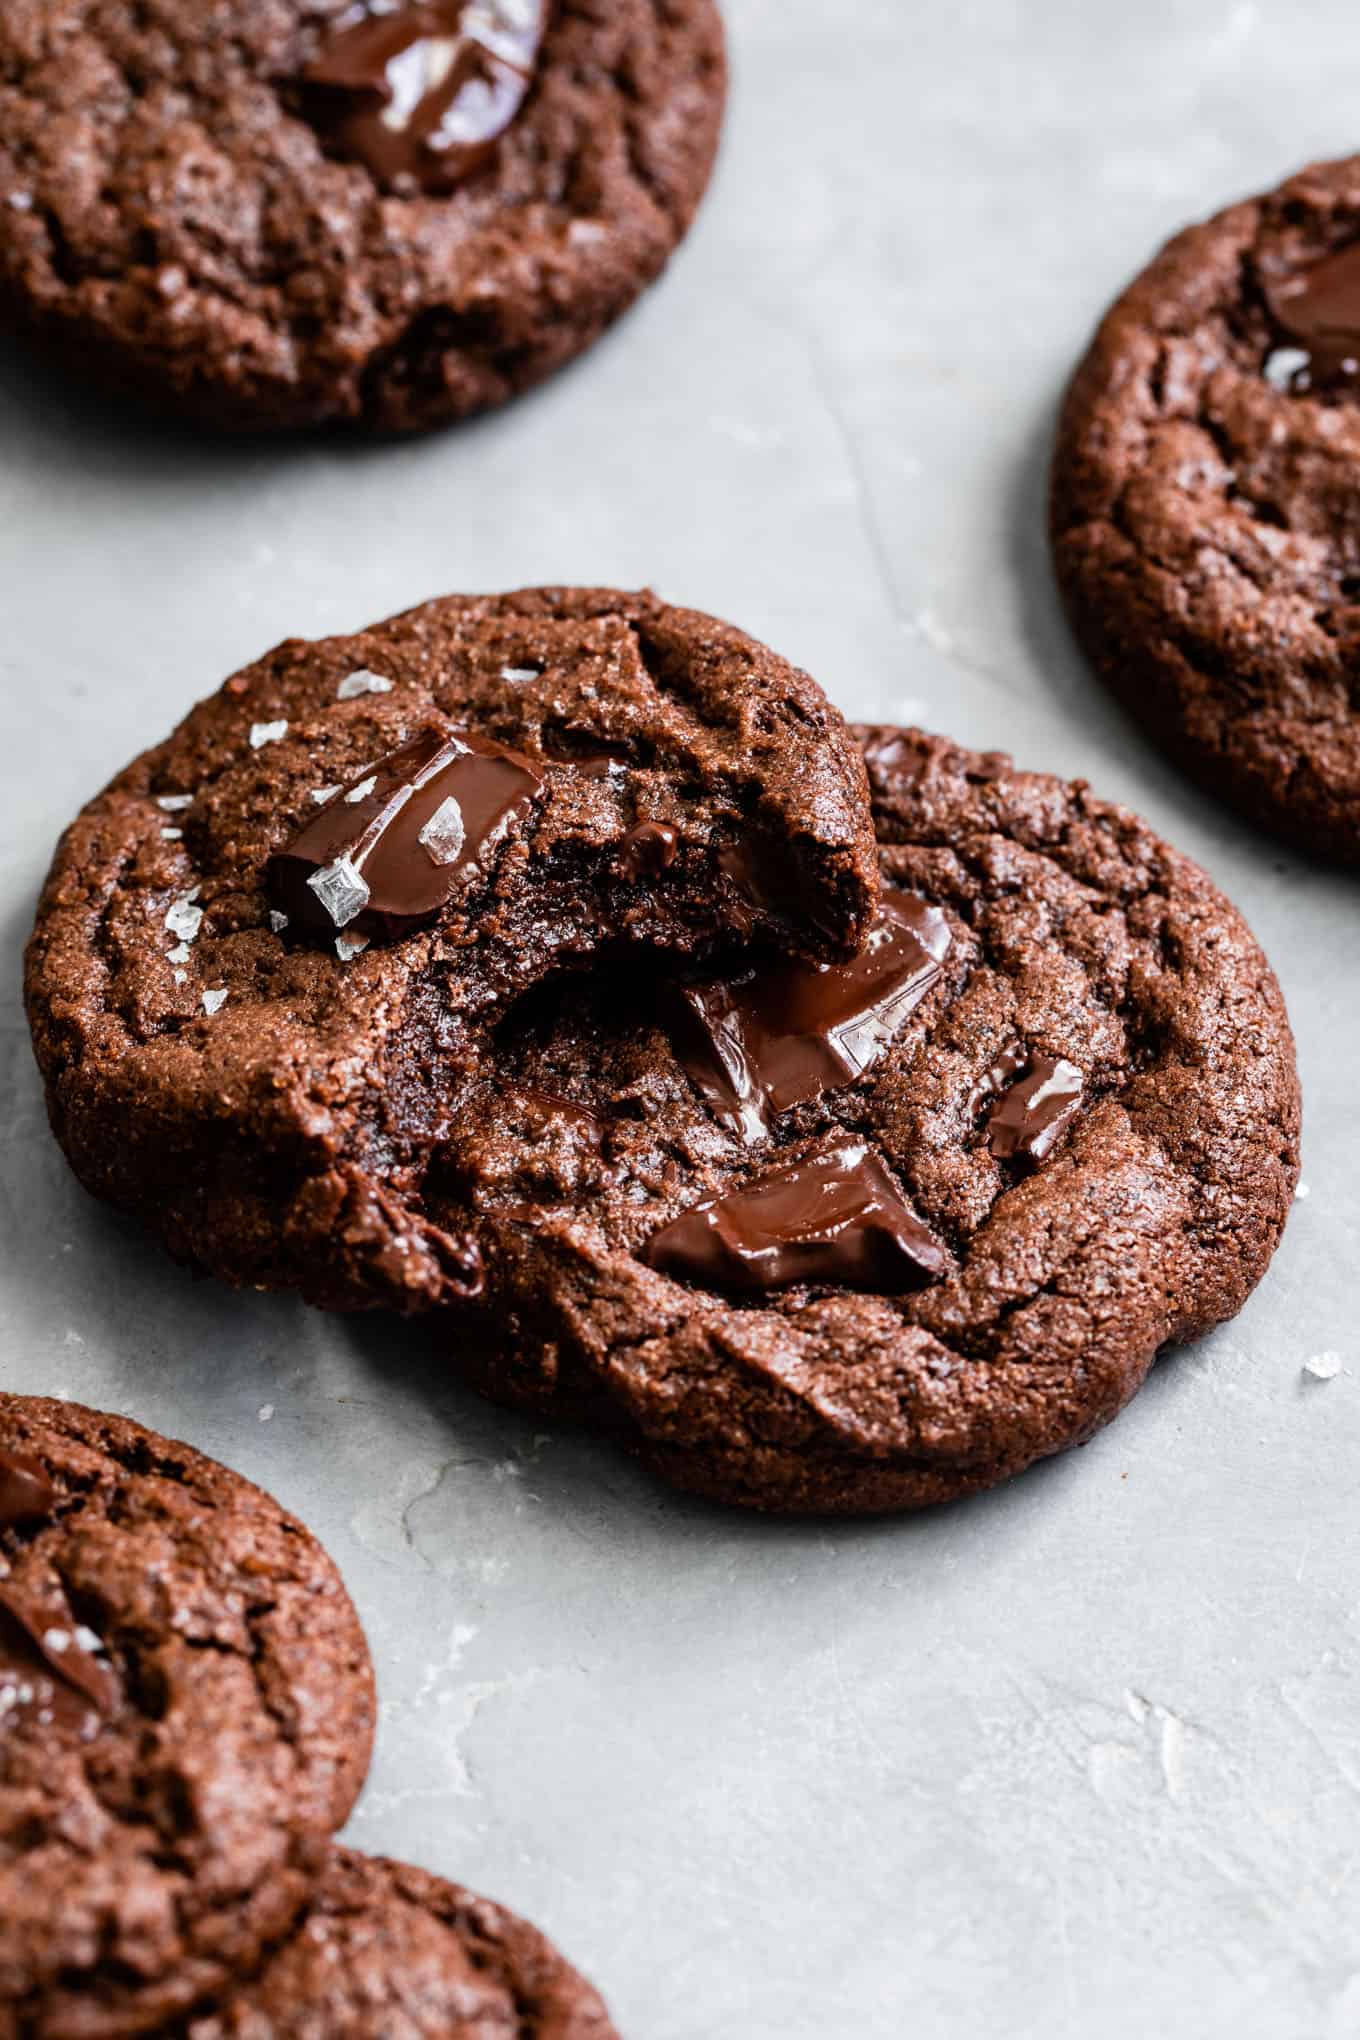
(386, 1950)
(852, 1238)
(1203, 517)
(269, 216)
(186, 1713)
(272, 957)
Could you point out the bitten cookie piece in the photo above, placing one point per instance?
(867, 1236)
(390, 215)
(387, 1951)
(186, 1713)
(1203, 515)
(271, 958)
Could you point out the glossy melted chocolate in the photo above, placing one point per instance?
(1318, 309)
(390, 849)
(757, 1044)
(835, 1217)
(1033, 1114)
(422, 94)
(26, 1494)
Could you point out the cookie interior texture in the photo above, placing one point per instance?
(276, 1104)
(1204, 517)
(385, 1949)
(181, 215)
(186, 1714)
(1092, 1112)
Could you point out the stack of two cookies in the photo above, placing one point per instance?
(841, 1120)
(186, 1715)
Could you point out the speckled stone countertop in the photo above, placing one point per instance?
(1080, 1758)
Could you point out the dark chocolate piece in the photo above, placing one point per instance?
(35, 1642)
(422, 94)
(647, 849)
(836, 1217)
(1318, 309)
(1034, 1114)
(758, 1044)
(26, 1494)
(390, 849)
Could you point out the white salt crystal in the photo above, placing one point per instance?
(443, 835)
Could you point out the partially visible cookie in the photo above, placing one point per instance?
(271, 958)
(386, 1952)
(868, 1236)
(186, 1713)
(386, 215)
(1204, 508)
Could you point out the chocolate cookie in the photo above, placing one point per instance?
(269, 215)
(186, 1711)
(856, 1237)
(271, 959)
(391, 1953)
(1204, 523)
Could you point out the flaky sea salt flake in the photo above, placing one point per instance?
(362, 790)
(277, 921)
(174, 803)
(184, 919)
(347, 947)
(321, 794)
(172, 835)
(519, 673)
(1283, 365)
(443, 835)
(215, 1000)
(262, 733)
(1323, 1366)
(362, 682)
(341, 891)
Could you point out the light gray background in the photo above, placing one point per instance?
(1082, 1757)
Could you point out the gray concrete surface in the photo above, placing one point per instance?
(1080, 1758)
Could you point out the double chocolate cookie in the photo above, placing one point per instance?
(848, 1237)
(386, 1952)
(394, 214)
(1205, 529)
(186, 1713)
(272, 958)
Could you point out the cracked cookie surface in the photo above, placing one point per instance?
(1204, 519)
(186, 1713)
(385, 1950)
(278, 1102)
(176, 217)
(1081, 1131)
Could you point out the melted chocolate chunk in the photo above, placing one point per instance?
(45, 1668)
(1318, 310)
(422, 94)
(647, 849)
(833, 1218)
(1033, 1114)
(389, 851)
(758, 1044)
(26, 1494)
